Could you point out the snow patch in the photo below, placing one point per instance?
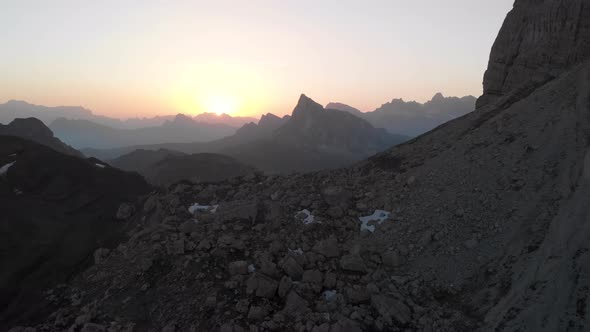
(203, 208)
(12, 155)
(306, 217)
(329, 295)
(379, 216)
(99, 165)
(251, 268)
(5, 168)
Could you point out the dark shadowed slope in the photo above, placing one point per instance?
(164, 167)
(34, 130)
(55, 211)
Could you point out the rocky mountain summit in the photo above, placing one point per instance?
(539, 41)
(479, 225)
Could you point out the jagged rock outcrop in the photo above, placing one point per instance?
(311, 125)
(539, 40)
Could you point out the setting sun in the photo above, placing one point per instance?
(220, 104)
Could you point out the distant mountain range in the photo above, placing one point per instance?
(87, 134)
(20, 109)
(312, 138)
(165, 167)
(413, 118)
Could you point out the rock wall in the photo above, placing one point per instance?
(540, 39)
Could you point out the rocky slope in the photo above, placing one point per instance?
(481, 224)
(56, 210)
(34, 130)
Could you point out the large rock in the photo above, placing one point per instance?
(538, 41)
(292, 268)
(327, 247)
(353, 263)
(391, 309)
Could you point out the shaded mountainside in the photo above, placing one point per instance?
(164, 167)
(481, 224)
(413, 118)
(312, 138)
(56, 210)
(34, 130)
(87, 134)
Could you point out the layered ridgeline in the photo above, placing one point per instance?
(413, 118)
(13, 109)
(182, 128)
(312, 138)
(480, 224)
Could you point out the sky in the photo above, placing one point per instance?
(130, 58)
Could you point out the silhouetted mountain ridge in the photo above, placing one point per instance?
(33, 129)
(164, 167)
(413, 118)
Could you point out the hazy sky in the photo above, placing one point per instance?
(141, 58)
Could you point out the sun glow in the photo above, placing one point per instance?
(220, 87)
(220, 104)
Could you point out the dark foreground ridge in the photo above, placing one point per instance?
(55, 211)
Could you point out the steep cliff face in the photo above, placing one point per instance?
(540, 39)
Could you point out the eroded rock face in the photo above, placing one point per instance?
(540, 39)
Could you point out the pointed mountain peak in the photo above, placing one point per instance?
(267, 117)
(182, 118)
(438, 97)
(306, 105)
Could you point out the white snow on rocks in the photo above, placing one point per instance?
(306, 217)
(202, 208)
(5, 168)
(378, 216)
(251, 268)
(99, 165)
